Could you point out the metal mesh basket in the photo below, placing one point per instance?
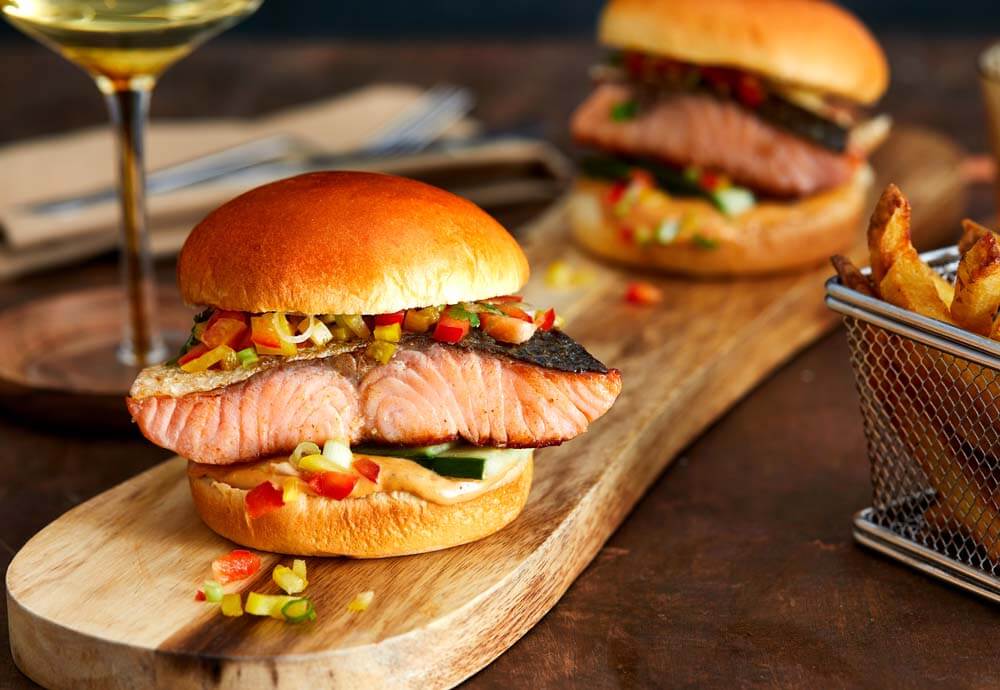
(930, 399)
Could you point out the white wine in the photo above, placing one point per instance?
(121, 42)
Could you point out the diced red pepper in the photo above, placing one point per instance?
(194, 353)
(245, 340)
(719, 77)
(750, 91)
(224, 331)
(368, 469)
(262, 499)
(616, 192)
(263, 332)
(389, 319)
(635, 63)
(238, 564)
(335, 485)
(199, 596)
(545, 319)
(516, 312)
(505, 299)
(640, 292)
(450, 330)
(709, 181)
(626, 233)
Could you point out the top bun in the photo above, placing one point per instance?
(807, 43)
(347, 243)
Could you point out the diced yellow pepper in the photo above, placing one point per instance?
(231, 605)
(288, 580)
(265, 328)
(389, 333)
(222, 353)
(290, 490)
(355, 324)
(361, 602)
(421, 320)
(318, 463)
(381, 351)
(320, 335)
(299, 568)
(267, 604)
(340, 334)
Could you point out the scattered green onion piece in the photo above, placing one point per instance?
(303, 449)
(733, 200)
(338, 453)
(667, 231)
(702, 242)
(299, 611)
(247, 357)
(624, 111)
(213, 591)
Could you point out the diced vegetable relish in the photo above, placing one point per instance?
(223, 339)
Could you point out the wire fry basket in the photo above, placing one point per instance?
(930, 400)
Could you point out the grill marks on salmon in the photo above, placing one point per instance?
(424, 395)
(697, 129)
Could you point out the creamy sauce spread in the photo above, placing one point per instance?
(396, 474)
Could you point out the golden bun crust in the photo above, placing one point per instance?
(347, 243)
(377, 526)
(808, 43)
(772, 237)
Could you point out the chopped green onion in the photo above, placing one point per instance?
(703, 242)
(667, 231)
(299, 611)
(625, 110)
(457, 312)
(733, 200)
(339, 453)
(303, 449)
(247, 357)
(213, 591)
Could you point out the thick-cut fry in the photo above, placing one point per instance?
(908, 285)
(888, 232)
(851, 276)
(977, 286)
(971, 233)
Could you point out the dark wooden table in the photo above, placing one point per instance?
(737, 569)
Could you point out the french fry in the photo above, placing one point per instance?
(908, 284)
(977, 286)
(851, 276)
(888, 232)
(971, 233)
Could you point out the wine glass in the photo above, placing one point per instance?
(125, 45)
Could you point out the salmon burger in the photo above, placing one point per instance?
(363, 379)
(728, 137)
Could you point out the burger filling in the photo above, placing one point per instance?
(223, 340)
(664, 128)
(445, 474)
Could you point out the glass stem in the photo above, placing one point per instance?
(141, 342)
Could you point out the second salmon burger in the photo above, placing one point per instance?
(363, 381)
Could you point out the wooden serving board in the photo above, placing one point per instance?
(103, 597)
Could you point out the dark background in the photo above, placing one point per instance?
(517, 18)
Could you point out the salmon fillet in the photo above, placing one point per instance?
(424, 395)
(697, 129)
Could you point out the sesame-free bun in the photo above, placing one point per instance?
(807, 43)
(771, 237)
(347, 243)
(381, 524)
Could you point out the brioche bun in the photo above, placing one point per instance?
(376, 526)
(347, 243)
(771, 237)
(806, 43)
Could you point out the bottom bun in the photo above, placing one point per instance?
(771, 237)
(378, 525)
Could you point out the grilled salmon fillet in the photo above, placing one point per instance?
(428, 393)
(697, 129)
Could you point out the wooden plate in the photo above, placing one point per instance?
(55, 352)
(103, 597)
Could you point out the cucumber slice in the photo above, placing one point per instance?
(412, 453)
(461, 468)
(494, 460)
